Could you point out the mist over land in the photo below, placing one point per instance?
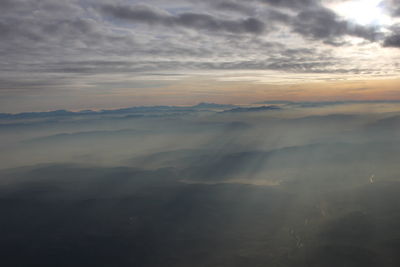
(182, 133)
(270, 184)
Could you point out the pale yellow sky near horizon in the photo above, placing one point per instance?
(191, 91)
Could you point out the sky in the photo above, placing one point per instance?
(86, 54)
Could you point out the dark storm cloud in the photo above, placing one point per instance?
(312, 20)
(146, 14)
(393, 38)
(392, 6)
(291, 4)
(318, 22)
(392, 41)
(234, 6)
(278, 16)
(322, 23)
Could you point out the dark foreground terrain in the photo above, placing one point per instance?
(277, 187)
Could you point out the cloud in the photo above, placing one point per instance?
(322, 23)
(49, 44)
(233, 6)
(392, 6)
(291, 4)
(152, 16)
(392, 41)
(393, 38)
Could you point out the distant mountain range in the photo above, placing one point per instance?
(251, 109)
(322, 103)
(139, 109)
(204, 106)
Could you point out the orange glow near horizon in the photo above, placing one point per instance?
(194, 91)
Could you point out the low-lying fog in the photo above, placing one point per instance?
(274, 184)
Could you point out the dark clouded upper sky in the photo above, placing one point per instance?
(95, 54)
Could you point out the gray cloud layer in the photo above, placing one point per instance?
(199, 21)
(324, 24)
(44, 42)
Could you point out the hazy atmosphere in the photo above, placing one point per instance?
(208, 133)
